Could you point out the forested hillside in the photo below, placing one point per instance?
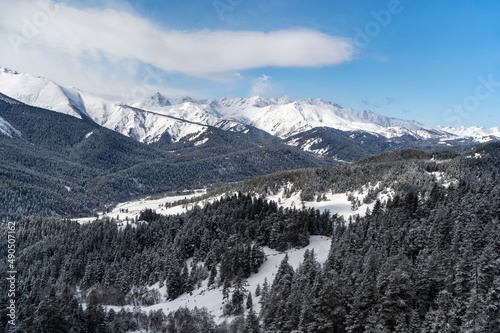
(351, 146)
(113, 265)
(60, 165)
(411, 266)
(408, 170)
(426, 260)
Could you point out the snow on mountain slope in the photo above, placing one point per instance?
(479, 134)
(35, 91)
(8, 129)
(142, 126)
(146, 126)
(186, 108)
(285, 117)
(9, 100)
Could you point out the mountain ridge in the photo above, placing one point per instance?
(282, 117)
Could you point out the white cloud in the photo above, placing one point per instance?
(64, 38)
(261, 85)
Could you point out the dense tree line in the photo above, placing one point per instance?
(409, 170)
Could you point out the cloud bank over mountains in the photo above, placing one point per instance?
(110, 45)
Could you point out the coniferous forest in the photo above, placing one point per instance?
(425, 260)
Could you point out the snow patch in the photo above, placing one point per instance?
(7, 129)
(345, 204)
(130, 210)
(201, 142)
(476, 133)
(475, 156)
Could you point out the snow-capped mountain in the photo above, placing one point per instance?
(479, 134)
(148, 120)
(142, 126)
(285, 117)
(186, 108)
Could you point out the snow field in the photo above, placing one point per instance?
(336, 203)
(131, 209)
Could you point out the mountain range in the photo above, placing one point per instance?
(57, 164)
(313, 125)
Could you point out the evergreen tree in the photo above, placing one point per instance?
(249, 303)
(257, 290)
(274, 310)
(252, 324)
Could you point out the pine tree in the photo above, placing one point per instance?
(265, 291)
(395, 288)
(252, 324)
(249, 303)
(257, 290)
(365, 293)
(492, 320)
(274, 310)
(444, 317)
(213, 274)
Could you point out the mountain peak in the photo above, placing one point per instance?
(8, 70)
(182, 99)
(259, 101)
(285, 99)
(320, 102)
(159, 100)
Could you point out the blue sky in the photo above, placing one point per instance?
(437, 62)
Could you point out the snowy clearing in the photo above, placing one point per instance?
(337, 203)
(131, 209)
(212, 298)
